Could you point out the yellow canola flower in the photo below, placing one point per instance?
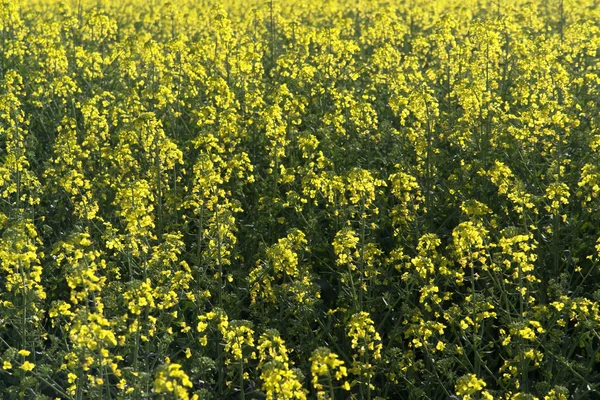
(527, 333)
(171, 378)
(345, 247)
(27, 366)
(469, 385)
(280, 382)
(362, 332)
(325, 363)
(24, 353)
(238, 335)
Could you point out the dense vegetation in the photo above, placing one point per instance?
(320, 199)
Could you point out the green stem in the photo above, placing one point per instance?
(474, 316)
(362, 256)
(242, 392)
(24, 320)
(331, 394)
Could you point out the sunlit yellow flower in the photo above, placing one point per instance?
(27, 366)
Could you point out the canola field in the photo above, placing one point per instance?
(302, 199)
